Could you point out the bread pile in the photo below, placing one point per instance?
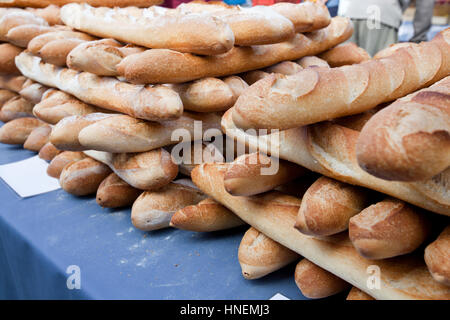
(105, 104)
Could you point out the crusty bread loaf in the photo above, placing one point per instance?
(16, 18)
(12, 83)
(37, 43)
(23, 34)
(259, 255)
(285, 67)
(153, 27)
(149, 102)
(50, 13)
(113, 192)
(6, 95)
(58, 163)
(8, 53)
(274, 215)
(16, 107)
(155, 66)
(388, 229)
(253, 76)
(48, 152)
(154, 209)
(18, 130)
(344, 54)
(33, 92)
(56, 51)
(95, 3)
(37, 138)
(315, 282)
(312, 61)
(122, 133)
(256, 173)
(316, 94)
(329, 149)
(328, 205)
(146, 171)
(437, 257)
(410, 139)
(205, 216)
(83, 177)
(356, 294)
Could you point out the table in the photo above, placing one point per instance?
(41, 236)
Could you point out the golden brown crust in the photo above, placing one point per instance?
(113, 192)
(56, 51)
(50, 13)
(345, 54)
(58, 163)
(16, 17)
(356, 294)
(18, 130)
(37, 43)
(6, 95)
(437, 257)
(16, 107)
(33, 92)
(23, 34)
(38, 138)
(8, 53)
(48, 152)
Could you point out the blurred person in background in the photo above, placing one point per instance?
(422, 19)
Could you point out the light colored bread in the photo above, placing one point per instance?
(149, 170)
(256, 173)
(6, 95)
(437, 257)
(38, 138)
(56, 51)
(259, 255)
(37, 43)
(48, 152)
(95, 3)
(23, 34)
(50, 13)
(122, 133)
(328, 205)
(410, 139)
(16, 18)
(285, 67)
(205, 216)
(154, 66)
(154, 27)
(58, 163)
(388, 229)
(149, 102)
(274, 214)
(113, 192)
(154, 209)
(317, 94)
(8, 53)
(251, 77)
(83, 177)
(15, 108)
(315, 282)
(356, 294)
(312, 61)
(33, 92)
(12, 83)
(329, 149)
(18, 130)
(345, 54)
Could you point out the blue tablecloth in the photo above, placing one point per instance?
(41, 236)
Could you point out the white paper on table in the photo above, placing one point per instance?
(28, 177)
(279, 296)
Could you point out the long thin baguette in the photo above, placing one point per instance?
(154, 27)
(95, 3)
(205, 216)
(410, 139)
(8, 53)
(56, 51)
(12, 83)
(48, 152)
(151, 103)
(37, 138)
(15, 108)
(37, 43)
(15, 18)
(256, 173)
(345, 54)
(146, 171)
(58, 163)
(154, 209)
(329, 149)
(155, 66)
(121, 133)
(315, 282)
(259, 255)
(312, 61)
(328, 205)
(113, 192)
(18, 130)
(437, 257)
(274, 214)
(317, 94)
(23, 34)
(33, 92)
(50, 13)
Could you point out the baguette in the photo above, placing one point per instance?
(151, 103)
(205, 216)
(329, 149)
(285, 67)
(8, 53)
(37, 43)
(65, 133)
(274, 215)
(48, 152)
(37, 138)
(197, 152)
(155, 66)
(121, 133)
(328, 205)
(410, 139)
(146, 171)
(256, 173)
(23, 34)
(315, 282)
(113, 192)
(95, 3)
(12, 83)
(312, 61)
(250, 77)
(153, 209)
(155, 27)
(356, 294)
(388, 229)
(259, 255)
(56, 51)
(6, 95)
(18, 130)
(16, 18)
(50, 13)
(273, 103)
(58, 163)
(437, 257)
(345, 54)
(83, 177)
(15, 108)
(33, 92)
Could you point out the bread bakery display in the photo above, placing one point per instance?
(210, 117)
